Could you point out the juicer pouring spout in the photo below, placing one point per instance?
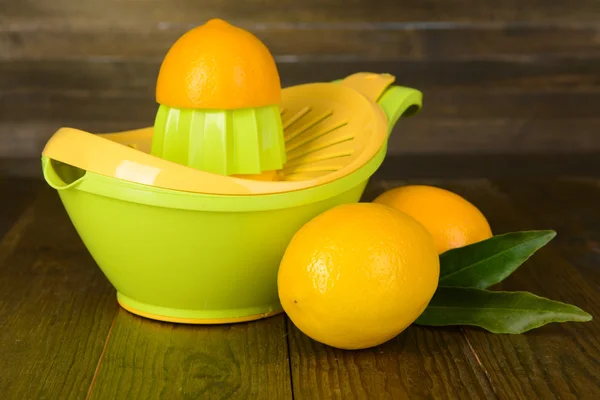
(61, 176)
(396, 101)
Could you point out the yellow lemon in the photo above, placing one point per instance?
(220, 66)
(357, 275)
(452, 220)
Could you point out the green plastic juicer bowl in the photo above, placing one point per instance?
(199, 258)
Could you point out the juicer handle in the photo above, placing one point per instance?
(400, 101)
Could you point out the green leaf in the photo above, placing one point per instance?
(497, 312)
(483, 264)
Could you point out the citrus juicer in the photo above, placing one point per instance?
(185, 245)
(330, 129)
(240, 133)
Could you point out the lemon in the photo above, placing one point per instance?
(357, 275)
(218, 66)
(452, 220)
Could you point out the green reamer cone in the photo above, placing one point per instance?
(227, 142)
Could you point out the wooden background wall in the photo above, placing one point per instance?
(499, 76)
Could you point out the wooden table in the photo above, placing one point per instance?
(63, 336)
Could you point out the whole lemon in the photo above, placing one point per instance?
(357, 275)
(452, 220)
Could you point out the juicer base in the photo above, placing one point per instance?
(123, 302)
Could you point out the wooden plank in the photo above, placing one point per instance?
(137, 77)
(125, 91)
(191, 12)
(412, 136)
(56, 307)
(419, 363)
(458, 104)
(99, 39)
(557, 360)
(421, 135)
(151, 360)
(571, 208)
(454, 166)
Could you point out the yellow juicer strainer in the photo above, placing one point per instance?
(330, 129)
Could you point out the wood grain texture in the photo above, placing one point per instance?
(137, 77)
(56, 307)
(469, 107)
(497, 77)
(421, 135)
(441, 103)
(571, 208)
(97, 39)
(557, 360)
(474, 166)
(56, 313)
(17, 194)
(152, 360)
(417, 136)
(89, 90)
(419, 363)
(155, 12)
